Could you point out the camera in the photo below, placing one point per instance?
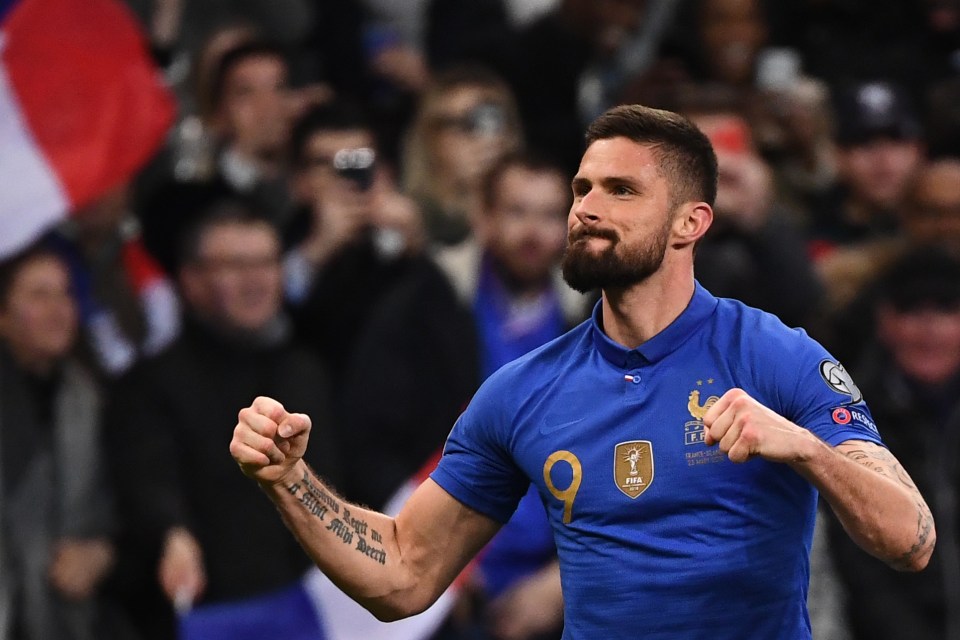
(356, 165)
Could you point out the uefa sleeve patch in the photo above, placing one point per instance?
(845, 416)
(841, 415)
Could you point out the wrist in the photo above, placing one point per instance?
(812, 453)
(285, 480)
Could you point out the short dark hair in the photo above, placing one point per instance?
(338, 115)
(530, 160)
(226, 211)
(924, 277)
(11, 266)
(685, 155)
(232, 58)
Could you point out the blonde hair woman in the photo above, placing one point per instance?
(467, 120)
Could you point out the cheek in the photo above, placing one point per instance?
(243, 114)
(554, 234)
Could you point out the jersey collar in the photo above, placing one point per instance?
(701, 307)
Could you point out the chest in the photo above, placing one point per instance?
(628, 448)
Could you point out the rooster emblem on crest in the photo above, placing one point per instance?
(696, 409)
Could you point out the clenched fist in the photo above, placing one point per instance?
(268, 441)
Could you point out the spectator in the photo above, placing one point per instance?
(466, 121)
(754, 248)
(932, 213)
(574, 61)
(731, 36)
(931, 217)
(252, 111)
(57, 516)
(880, 149)
(173, 413)
(179, 30)
(911, 375)
(354, 231)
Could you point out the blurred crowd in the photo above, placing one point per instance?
(360, 212)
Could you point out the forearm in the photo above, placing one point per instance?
(875, 500)
(355, 547)
(395, 567)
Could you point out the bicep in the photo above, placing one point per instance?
(438, 535)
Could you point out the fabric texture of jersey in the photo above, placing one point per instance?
(660, 536)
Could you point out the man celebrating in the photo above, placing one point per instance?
(681, 543)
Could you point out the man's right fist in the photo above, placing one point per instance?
(268, 441)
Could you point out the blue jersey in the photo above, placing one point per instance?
(660, 536)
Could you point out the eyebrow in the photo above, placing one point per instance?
(579, 182)
(606, 181)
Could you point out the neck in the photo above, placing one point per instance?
(34, 364)
(633, 315)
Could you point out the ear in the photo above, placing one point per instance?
(886, 321)
(691, 222)
(480, 223)
(191, 284)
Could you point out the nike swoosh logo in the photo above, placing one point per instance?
(550, 428)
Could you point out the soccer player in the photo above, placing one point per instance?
(677, 440)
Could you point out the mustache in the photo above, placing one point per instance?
(582, 233)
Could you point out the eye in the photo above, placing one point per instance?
(621, 190)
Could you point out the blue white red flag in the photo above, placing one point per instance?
(82, 109)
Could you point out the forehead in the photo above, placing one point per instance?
(620, 157)
(742, 9)
(41, 267)
(234, 238)
(254, 67)
(328, 142)
(463, 98)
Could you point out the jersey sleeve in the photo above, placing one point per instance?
(476, 467)
(824, 399)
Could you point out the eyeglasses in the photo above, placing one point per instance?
(485, 119)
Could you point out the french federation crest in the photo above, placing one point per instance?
(633, 466)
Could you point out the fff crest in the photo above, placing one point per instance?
(694, 431)
(633, 466)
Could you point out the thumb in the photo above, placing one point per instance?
(294, 424)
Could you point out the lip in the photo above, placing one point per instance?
(588, 240)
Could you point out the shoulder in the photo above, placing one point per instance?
(769, 358)
(460, 264)
(759, 332)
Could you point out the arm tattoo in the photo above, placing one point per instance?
(346, 526)
(882, 461)
(924, 529)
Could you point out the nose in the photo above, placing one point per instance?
(583, 208)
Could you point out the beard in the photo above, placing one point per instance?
(611, 269)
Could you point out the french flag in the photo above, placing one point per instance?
(82, 109)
